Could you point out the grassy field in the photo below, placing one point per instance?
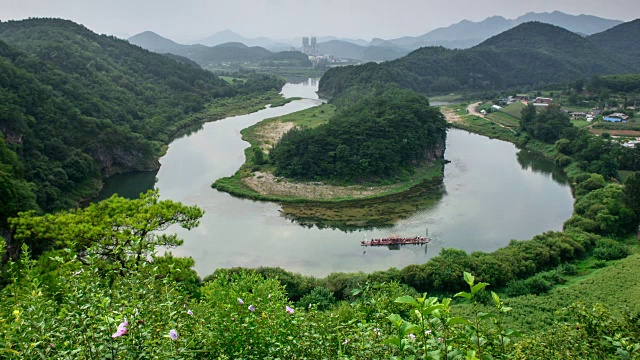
(514, 109)
(504, 119)
(230, 79)
(580, 123)
(482, 126)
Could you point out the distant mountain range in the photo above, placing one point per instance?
(467, 33)
(529, 54)
(462, 35)
(228, 52)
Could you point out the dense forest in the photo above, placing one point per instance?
(76, 106)
(529, 54)
(372, 138)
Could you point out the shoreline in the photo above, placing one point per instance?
(257, 182)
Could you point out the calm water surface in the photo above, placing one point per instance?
(493, 193)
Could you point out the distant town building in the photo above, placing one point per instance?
(310, 45)
(540, 101)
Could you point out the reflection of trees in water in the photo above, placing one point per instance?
(539, 164)
(366, 214)
(128, 185)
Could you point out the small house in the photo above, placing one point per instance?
(578, 115)
(540, 101)
(496, 107)
(522, 97)
(612, 119)
(620, 116)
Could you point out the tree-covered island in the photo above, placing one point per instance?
(364, 146)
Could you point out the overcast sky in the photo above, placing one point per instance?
(185, 20)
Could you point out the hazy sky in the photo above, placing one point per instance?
(192, 19)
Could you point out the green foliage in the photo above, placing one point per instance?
(632, 193)
(529, 54)
(603, 211)
(319, 298)
(376, 137)
(546, 125)
(120, 233)
(77, 106)
(607, 249)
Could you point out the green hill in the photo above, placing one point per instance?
(529, 54)
(76, 106)
(620, 41)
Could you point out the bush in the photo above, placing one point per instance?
(607, 249)
(320, 297)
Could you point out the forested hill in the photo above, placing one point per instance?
(75, 106)
(529, 54)
(620, 41)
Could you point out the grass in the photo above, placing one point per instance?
(231, 79)
(514, 109)
(504, 119)
(580, 123)
(482, 126)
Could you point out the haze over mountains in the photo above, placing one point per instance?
(462, 35)
(531, 54)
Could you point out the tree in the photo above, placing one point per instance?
(632, 193)
(122, 233)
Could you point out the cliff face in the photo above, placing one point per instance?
(117, 160)
(436, 152)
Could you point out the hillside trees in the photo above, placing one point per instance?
(376, 137)
(119, 233)
(546, 125)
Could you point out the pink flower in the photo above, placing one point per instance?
(240, 301)
(122, 329)
(252, 308)
(412, 337)
(189, 312)
(289, 309)
(345, 342)
(173, 334)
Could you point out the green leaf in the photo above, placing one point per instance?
(463, 294)
(395, 319)
(496, 298)
(477, 287)
(469, 278)
(393, 341)
(407, 300)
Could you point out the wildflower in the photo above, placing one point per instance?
(269, 297)
(289, 309)
(377, 331)
(428, 332)
(252, 308)
(240, 301)
(412, 337)
(16, 312)
(189, 312)
(52, 346)
(122, 329)
(78, 272)
(173, 334)
(345, 342)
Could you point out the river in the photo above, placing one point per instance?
(492, 193)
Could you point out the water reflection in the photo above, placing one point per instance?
(369, 214)
(537, 163)
(129, 185)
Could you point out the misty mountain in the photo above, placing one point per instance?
(583, 24)
(364, 53)
(156, 43)
(530, 54)
(228, 36)
(468, 33)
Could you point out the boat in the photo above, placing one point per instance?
(396, 240)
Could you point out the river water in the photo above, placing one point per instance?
(492, 193)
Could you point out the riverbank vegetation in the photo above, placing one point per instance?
(382, 168)
(76, 107)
